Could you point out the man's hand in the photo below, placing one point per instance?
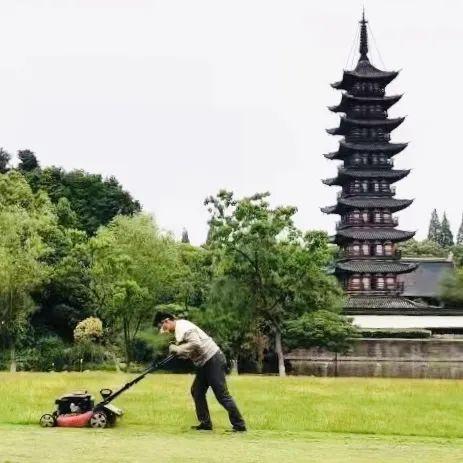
(173, 349)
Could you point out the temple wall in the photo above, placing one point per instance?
(401, 358)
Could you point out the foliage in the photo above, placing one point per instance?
(425, 248)
(89, 329)
(452, 288)
(25, 220)
(434, 227)
(445, 237)
(459, 240)
(280, 270)
(28, 161)
(132, 269)
(4, 161)
(320, 328)
(94, 200)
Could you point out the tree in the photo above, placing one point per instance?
(28, 161)
(281, 272)
(452, 288)
(434, 227)
(4, 161)
(185, 238)
(94, 200)
(133, 265)
(445, 238)
(23, 219)
(425, 248)
(460, 234)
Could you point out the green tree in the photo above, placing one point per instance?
(185, 238)
(445, 237)
(460, 234)
(4, 161)
(452, 288)
(133, 266)
(280, 270)
(28, 161)
(24, 219)
(95, 201)
(425, 248)
(434, 227)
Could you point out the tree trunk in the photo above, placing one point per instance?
(279, 351)
(13, 365)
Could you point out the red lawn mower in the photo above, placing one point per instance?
(78, 409)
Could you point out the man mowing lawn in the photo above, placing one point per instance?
(194, 344)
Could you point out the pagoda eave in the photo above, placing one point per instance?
(374, 266)
(371, 234)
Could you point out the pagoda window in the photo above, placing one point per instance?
(390, 282)
(374, 159)
(354, 283)
(387, 218)
(365, 216)
(355, 134)
(366, 282)
(375, 185)
(355, 186)
(365, 249)
(356, 159)
(388, 248)
(355, 249)
(385, 186)
(365, 186)
(355, 216)
(365, 159)
(382, 159)
(379, 251)
(380, 282)
(377, 217)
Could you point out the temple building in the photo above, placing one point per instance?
(367, 235)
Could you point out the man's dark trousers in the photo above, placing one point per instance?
(212, 374)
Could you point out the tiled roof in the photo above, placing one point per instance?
(394, 175)
(375, 266)
(363, 233)
(346, 124)
(356, 202)
(380, 302)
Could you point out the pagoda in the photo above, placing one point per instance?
(369, 262)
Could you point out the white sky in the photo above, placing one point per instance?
(179, 98)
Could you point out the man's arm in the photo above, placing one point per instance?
(191, 342)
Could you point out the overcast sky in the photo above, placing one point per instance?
(180, 98)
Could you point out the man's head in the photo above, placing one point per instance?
(165, 322)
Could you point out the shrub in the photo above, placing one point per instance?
(403, 333)
(89, 329)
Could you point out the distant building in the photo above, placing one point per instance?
(380, 285)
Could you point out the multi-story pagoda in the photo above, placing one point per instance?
(366, 233)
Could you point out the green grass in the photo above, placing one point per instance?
(293, 419)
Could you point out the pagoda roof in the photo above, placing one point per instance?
(380, 302)
(375, 266)
(347, 124)
(358, 202)
(372, 234)
(348, 99)
(346, 148)
(347, 174)
(364, 71)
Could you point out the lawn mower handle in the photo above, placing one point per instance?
(153, 367)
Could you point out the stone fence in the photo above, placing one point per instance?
(402, 358)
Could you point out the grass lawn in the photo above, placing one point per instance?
(296, 419)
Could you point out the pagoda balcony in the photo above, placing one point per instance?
(382, 222)
(359, 164)
(396, 290)
(349, 254)
(344, 194)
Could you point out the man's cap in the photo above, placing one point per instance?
(160, 316)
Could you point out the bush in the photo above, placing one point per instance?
(320, 328)
(403, 333)
(90, 329)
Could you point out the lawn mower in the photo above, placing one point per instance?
(77, 409)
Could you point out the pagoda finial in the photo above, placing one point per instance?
(363, 37)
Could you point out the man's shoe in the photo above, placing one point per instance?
(202, 427)
(239, 429)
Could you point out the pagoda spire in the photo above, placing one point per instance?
(363, 38)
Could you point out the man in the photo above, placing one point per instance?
(194, 344)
